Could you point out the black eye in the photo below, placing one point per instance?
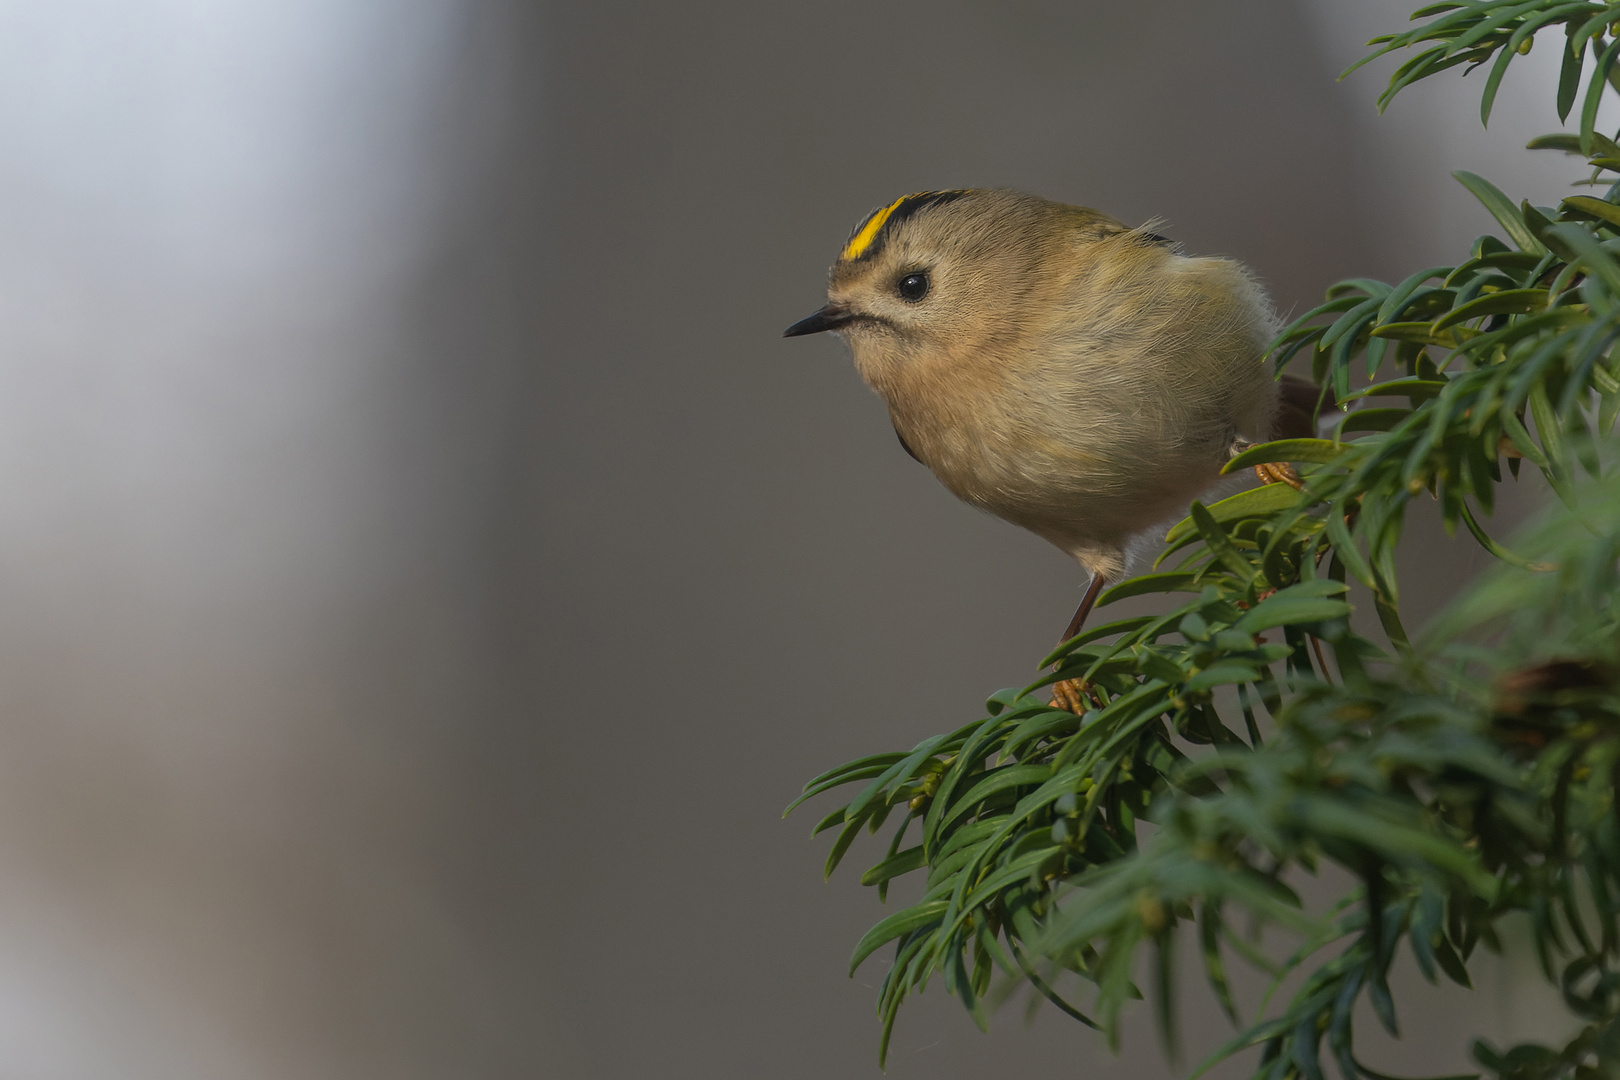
(913, 287)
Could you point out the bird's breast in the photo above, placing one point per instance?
(996, 435)
(1060, 440)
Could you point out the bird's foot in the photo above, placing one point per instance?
(1279, 472)
(1073, 695)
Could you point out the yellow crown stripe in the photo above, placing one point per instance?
(872, 229)
(867, 233)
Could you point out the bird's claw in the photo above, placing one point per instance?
(1279, 472)
(1072, 695)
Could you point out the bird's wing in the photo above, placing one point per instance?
(906, 446)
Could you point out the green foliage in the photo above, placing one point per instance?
(1463, 779)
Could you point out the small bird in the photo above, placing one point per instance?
(1055, 367)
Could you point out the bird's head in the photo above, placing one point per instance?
(941, 273)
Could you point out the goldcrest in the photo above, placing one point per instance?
(1072, 375)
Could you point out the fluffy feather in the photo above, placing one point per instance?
(1064, 372)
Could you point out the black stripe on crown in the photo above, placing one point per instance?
(869, 235)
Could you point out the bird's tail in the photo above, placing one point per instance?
(1299, 403)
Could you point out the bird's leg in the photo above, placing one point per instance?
(1087, 602)
(1070, 693)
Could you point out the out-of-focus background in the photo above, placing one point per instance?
(425, 574)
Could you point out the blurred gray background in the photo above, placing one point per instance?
(425, 574)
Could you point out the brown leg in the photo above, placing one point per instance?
(1087, 602)
(1070, 693)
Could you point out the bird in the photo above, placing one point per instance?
(1070, 374)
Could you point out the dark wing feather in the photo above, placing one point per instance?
(907, 446)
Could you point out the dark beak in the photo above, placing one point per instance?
(828, 318)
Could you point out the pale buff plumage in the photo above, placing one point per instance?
(1064, 372)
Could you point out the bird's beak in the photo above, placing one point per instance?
(830, 317)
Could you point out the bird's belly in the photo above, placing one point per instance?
(1100, 493)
